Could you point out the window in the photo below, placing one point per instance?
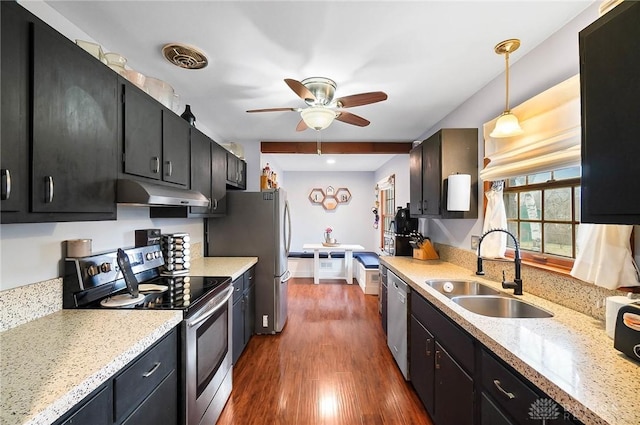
(387, 206)
(543, 212)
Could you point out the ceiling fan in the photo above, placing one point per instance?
(318, 92)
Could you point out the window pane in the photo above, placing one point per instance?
(512, 226)
(557, 204)
(517, 181)
(530, 236)
(567, 173)
(577, 193)
(530, 205)
(539, 178)
(558, 239)
(511, 205)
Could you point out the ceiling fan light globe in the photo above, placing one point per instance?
(507, 126)
(318, 118)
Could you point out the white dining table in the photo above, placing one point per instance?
(348, 257)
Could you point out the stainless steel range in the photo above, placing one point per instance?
(98, 281)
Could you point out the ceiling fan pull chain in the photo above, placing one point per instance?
(318, 142)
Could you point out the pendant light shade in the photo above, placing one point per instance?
(318, 117)
(507, 124)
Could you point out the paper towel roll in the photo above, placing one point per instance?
(612, 306)
(459, 192)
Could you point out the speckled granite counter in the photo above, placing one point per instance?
(221, 266)
(50, 364)
(568, 356)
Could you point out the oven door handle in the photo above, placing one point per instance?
(212, 310)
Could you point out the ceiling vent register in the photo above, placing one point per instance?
(184, 56)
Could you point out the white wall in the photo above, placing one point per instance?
(33, 252)
(351, 222)
(550, 63)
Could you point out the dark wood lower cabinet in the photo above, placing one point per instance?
(144, 392)
(490, 414)
(244, 312)
(422, 363)
(461, 382)
(453, 391)
(161, 407)
(95, 410)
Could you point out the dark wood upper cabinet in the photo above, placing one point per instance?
(74, 128)
(142, 133)
(610, 93)
(156, 140)
(175, 149)
(236, 172)
(15, 64)
(448, 151)
(59, 126)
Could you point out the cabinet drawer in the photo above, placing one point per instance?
(238, 288)
(161, 407)
(249, 278)
(455, 340)
(507, 389)
(144, 375)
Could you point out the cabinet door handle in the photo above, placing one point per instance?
(427, 350)
(152, 370)
(424, 206)
(438, 359)
(48, 189)
(155, 165)
(209, 206)
(507, 394)
(6, 184)
(215, 204)
(169, 169)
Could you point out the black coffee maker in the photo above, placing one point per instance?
(404, 223)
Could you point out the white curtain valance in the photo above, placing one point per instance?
(551, 138)
(385, 183)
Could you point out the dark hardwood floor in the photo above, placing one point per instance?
(330, 365)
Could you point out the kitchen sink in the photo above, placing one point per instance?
(454, 288)
(500, 306)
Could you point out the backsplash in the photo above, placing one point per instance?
(29, 302)
(561, 289)
(26, 303)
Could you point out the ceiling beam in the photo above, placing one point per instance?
(337, 147)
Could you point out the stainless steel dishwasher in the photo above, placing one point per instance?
(397, 301)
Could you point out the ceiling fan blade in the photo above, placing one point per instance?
(299, 89)
(350, 118)
(302, 126)
(361, 99)
(273, 110)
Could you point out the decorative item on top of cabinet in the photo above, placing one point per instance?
(40, 145)
(448, 151)
(188, 116)
(609, 93)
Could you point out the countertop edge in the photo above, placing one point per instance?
(568, 401)
(71, 398)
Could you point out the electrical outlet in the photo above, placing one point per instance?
(265, 320)
(474, 242)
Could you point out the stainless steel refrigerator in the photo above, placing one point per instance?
(258, 224)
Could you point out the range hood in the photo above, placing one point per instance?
(135, 192)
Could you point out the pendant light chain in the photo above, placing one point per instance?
(506, 61)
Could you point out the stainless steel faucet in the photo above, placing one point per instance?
(516, 285)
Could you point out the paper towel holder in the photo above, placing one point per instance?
(459, 192)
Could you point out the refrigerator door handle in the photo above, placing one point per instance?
(287, 230)
(286, 276)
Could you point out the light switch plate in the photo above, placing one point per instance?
(474, 242)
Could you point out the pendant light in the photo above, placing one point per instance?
(507, 124)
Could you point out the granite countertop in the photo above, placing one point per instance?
(50, 364)
(568, 356)
(221, 266)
